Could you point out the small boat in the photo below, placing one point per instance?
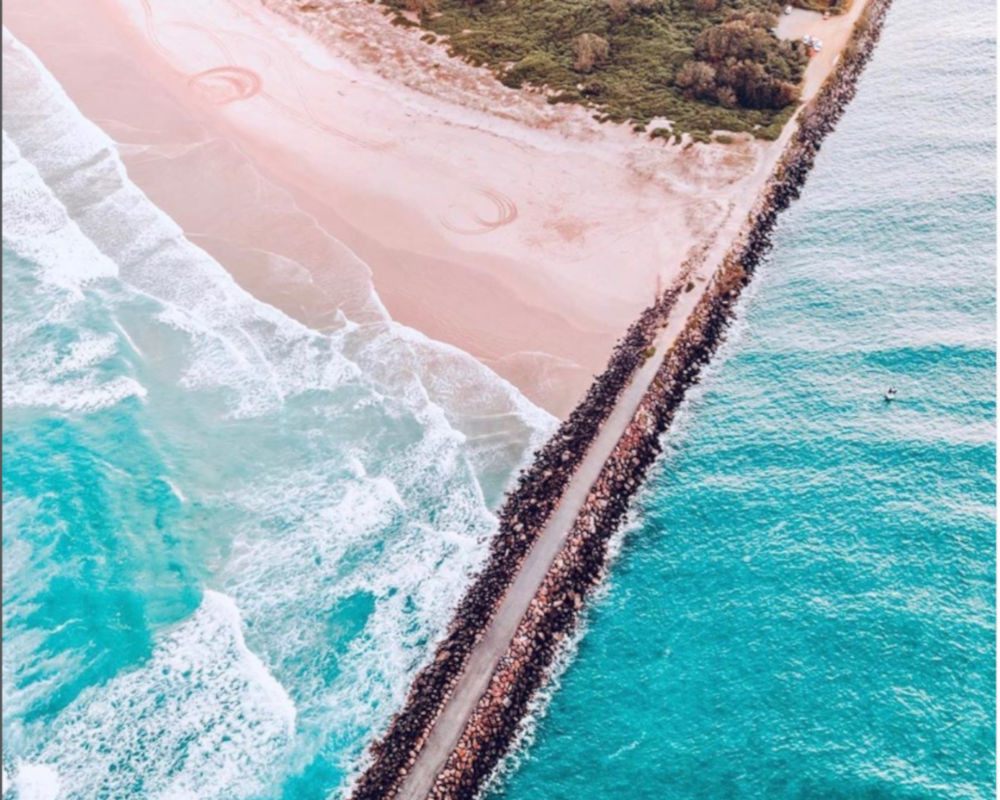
(890, 394)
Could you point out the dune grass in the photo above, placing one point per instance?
(620, 58)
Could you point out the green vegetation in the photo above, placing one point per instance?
(833, 6)
(703, 64)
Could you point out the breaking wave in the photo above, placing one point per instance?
(229, 538)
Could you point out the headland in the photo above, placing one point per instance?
(481, 215)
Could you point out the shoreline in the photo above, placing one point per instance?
(359, 161)
(206, 122)
(554, 611)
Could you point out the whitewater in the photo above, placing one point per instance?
(231, 540)
(228, 539)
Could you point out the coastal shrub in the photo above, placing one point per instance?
(833, 6)
(632, 60)
(739, 62)
(590, 50)
(539, 69)
(697, 78)
(421, 7)
(618, 9)
(563, 97)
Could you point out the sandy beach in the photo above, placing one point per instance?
(321, 159)
(283, 518)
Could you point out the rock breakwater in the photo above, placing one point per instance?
(527, 508)
(579, 566)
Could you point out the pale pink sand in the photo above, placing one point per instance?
(527, 234)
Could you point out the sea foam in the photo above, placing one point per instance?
(337, 486)
(203, 718)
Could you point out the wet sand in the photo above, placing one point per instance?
(319, 159)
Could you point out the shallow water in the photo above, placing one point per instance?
(229, 541)
(804, 606)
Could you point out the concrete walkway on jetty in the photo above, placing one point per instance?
(497, 637)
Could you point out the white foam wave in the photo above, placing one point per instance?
(499, 427)
(64, 377)
(359, 543)
(36, 370)
(203, 718)
(34, 781)
(393, 518)
(37, 228)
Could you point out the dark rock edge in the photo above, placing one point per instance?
(580, 565)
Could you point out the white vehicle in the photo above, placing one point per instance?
(812, 43)
(788, 9)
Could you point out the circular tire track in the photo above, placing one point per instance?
(223, 85)
(506, 213)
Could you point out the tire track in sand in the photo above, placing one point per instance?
(506, 213)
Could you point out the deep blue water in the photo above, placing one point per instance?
(804, 607)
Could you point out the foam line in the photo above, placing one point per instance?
(203, 718)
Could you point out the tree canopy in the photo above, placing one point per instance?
(703, 64)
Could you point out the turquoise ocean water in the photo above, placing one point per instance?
(228, 540)
(804, 606)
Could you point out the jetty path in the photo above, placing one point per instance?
(497, 637)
